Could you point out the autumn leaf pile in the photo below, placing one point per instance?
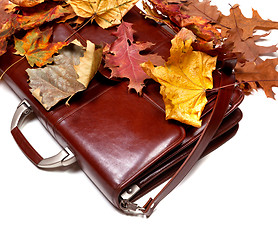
(232, 34)
(202, 35)
(77, 64)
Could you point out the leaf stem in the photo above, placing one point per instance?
(237, 84)
(157, 19)
(11, 67)
(84, 24)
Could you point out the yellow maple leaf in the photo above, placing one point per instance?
(184, 79)
(106, 13)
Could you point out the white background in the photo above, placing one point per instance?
(230, 194)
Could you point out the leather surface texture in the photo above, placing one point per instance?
(118, 137)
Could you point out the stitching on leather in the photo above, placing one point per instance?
(78, 36)
(83, 40)
(154, 103)
(81, 106)
(168, 149)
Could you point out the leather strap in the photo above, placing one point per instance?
(218, 113)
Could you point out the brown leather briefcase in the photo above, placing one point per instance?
(120, 140)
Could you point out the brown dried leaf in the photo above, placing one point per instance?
(248, 47)
(264, 74)
(60, 80)
(202, 9)
(236, 20)
(4, 14)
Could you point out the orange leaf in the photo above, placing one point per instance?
(36, 16)
(27, 3)
(27, 19)
(36, 48)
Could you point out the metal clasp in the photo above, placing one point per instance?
(128, 206)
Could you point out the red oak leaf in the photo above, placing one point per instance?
(202, 9)
(264, 74)
(236, 20)
(124, 57)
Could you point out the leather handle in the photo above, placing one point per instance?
(63, 158)
(218, 113)
(26, 147)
